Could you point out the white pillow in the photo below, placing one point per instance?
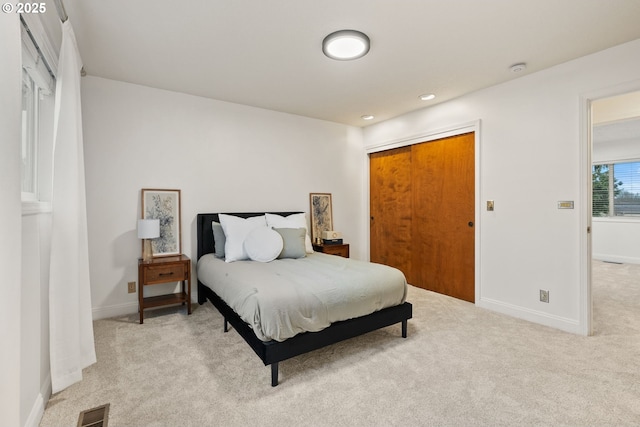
(298, 220)
(236, 230)
(263, 244)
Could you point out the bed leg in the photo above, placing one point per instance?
(274, 374)
(226, 325)
(404, 329)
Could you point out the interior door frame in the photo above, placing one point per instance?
(586, 150)
(432, 135)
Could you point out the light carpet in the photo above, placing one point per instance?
(460, 366)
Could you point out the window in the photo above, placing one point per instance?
(616, 189)
(37, 119)
(30, 95)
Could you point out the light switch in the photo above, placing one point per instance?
(565, 204)
(490, 205)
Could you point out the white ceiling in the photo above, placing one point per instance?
(267, 53)
(625, 130)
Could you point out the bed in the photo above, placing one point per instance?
(274, 350)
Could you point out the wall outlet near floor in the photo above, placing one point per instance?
(131, 287)
(544, 295)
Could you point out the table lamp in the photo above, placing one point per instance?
(148, 229)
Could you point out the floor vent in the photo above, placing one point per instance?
(96, 417)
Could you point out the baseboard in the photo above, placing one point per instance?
(616, 258)
(37, 410)
(114, 310)
(120, 309)
(535, 316)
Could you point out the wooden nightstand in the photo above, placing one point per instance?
(340, 250)
(164, 270)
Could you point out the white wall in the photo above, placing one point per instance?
(616, 240)
(35, 373)
(10, 219)
(222, 156)
(530, 159)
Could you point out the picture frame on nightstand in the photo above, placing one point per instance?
(164, 205)
(321, 214)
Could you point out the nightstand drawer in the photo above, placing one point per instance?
(165, 273)
(339, 250)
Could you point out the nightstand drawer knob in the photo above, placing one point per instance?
(166, 274)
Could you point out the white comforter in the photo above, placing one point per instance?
(282, 298)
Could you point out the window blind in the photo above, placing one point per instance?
(616, 189)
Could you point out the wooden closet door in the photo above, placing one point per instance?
(390, 209)
(443, 236)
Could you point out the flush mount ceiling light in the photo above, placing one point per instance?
(367, 117)
(345, 45)
(427, 97)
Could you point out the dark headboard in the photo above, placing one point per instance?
(204, 228)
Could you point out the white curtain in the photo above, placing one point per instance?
(70, 318)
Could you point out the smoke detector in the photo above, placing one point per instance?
(518, 68)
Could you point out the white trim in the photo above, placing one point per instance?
(121, 309)
(35, 207)
(431, 135)
(114, 310)
(425, 136)
(585, 309)
(585, 230)
(366, 201)
(619, 159)
(535, 316)
(617, 219)
(32, 63)
(34, 22)
(615, 258)
(479, 204)
(37, 410)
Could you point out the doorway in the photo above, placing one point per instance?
(615, 207)
(422, 213)
(586, 221)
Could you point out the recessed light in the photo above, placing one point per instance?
(516, 68)
(367, 117)
(345, 45)
(427, 97)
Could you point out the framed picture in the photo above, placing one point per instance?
(165, 206)
(321, 214)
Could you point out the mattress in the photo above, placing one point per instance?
(285, 297)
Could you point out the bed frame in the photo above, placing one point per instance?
(272, 352)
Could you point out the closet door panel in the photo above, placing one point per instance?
(390, 209)
(443, 201)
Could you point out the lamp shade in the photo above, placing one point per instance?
(148, 228)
